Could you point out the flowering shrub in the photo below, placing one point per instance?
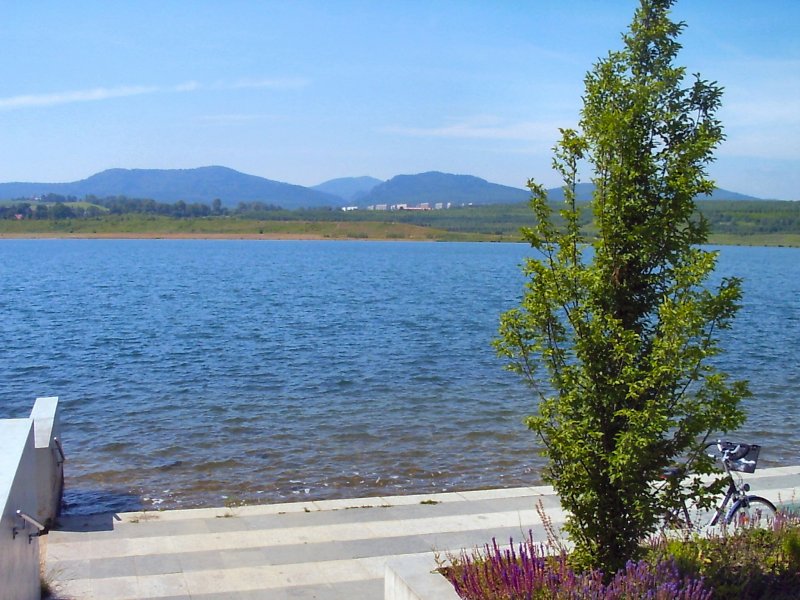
(747, 563)
(744, 563)
(530, 573)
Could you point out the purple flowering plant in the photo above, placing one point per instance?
(742, 563)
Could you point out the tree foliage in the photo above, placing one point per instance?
(616, 335)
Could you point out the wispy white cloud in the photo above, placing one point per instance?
(232, 118)
(103, 93)
(762, 120)
(764, 110)
(69, 97)
(486, 128)
(187, 86)
(276, 84)
(773, 143)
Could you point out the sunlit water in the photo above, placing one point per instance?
(195, 373)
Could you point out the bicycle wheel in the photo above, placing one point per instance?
(751, 512)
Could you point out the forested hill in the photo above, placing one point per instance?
(433, 187)
(351, 189)
(584, 191)
(188, 185)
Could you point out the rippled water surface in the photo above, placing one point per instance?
(197, 373)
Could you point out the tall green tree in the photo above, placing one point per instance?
(615, 333)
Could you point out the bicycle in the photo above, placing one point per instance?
(738, 508)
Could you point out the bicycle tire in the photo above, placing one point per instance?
(751, 512)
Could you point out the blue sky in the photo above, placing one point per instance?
(307, 91)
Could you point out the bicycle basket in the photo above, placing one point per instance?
(747, 463)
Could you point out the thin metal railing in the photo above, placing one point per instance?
(60, 449)
(40, 529)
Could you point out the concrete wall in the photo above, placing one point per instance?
(19, 554)
(31, 481)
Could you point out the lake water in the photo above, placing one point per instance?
(199, 373)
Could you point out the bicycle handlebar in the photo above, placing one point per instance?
(730, 450)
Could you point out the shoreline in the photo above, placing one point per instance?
(162, 236)
(315, 237)
(269, 236)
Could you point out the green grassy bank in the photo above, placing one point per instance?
(155, 227)
(756, 223)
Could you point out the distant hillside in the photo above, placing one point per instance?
(442, 187)
(351, 189)
(203, 184)
(720, 194)
(583, 191)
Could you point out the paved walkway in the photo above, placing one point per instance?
(331, 550)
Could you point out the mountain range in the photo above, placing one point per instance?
(583, 193)
(351, 189)
(204, 184)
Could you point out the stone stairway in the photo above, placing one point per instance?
(335, 549)
(331, 550)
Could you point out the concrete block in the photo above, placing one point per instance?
(414, 578)
(49, 474)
